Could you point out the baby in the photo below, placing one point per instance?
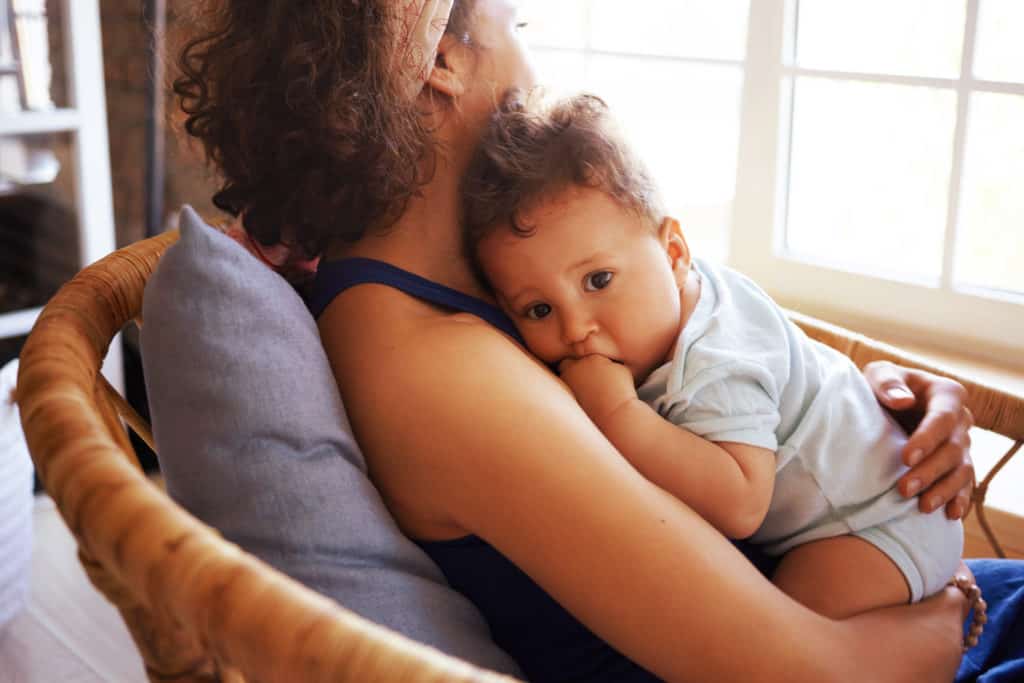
(778, 431)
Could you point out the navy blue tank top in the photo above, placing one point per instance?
(548, 643)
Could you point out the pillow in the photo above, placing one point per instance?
(253, 440)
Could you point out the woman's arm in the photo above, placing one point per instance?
(934, 411)
(502, 448)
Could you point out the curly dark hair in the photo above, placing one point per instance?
(532, 151)
(296, 107)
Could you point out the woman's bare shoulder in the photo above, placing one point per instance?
(461, 351)
(452, 343)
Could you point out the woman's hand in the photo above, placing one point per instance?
(934, 410)
(964, 572)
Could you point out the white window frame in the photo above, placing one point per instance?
(941, 314)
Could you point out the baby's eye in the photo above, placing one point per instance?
(598, 280)
(538, 311)
(521, 25)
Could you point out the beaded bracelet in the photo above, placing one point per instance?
(977, 604)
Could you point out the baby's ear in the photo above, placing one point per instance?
(670, 234)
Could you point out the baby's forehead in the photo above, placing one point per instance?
(575, 205)
(556, 235)
(554, 202)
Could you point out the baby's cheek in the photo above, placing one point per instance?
(540, 345)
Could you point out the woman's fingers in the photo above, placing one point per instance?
(945, 414)
(961, 505)
(963, 572)
(964, 474)
(954, 488)
(945, 477)
(890, 386)
(938, 450)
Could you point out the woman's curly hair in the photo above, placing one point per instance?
(296, 104)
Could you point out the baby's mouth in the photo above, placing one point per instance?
(584, 355)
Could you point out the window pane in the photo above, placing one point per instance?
(990, 244)
(687, 131)
(999, 51)
(909, 37)
(555, 23)
(869, 175)
(679, 28)
(560, 71)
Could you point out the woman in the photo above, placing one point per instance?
(304, 108)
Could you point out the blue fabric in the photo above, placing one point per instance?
(999, 655)
(550, 644)
(335, 277)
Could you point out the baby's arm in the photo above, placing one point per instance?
(729, 484)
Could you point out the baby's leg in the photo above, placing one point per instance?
(841, 576)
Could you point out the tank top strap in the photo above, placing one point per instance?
(335, 277)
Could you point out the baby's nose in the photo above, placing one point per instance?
(577, 329)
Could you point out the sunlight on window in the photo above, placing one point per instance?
(555, 23)
(909, 37)
(990, 243)
(999, 55)
(682, 116)
(687, 134)
(870, 173)
(710, 29)
(560, 72)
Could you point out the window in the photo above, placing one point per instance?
(880, 170)
(672, 72)
(863, 161)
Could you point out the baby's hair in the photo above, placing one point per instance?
(532, 152)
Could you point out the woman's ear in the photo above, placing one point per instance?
(451, 68)
(670, 234)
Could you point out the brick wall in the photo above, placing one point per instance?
(126, 62)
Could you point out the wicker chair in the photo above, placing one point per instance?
(198, 607)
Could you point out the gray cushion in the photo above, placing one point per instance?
(253, 440)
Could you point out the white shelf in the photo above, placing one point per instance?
(86, 120)
(18, 323)
(30, 122)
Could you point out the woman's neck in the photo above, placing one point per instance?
(426, 240)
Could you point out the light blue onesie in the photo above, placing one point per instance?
(743, 372)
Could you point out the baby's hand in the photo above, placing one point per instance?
(600, 385)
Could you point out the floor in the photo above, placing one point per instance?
(68, 633)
